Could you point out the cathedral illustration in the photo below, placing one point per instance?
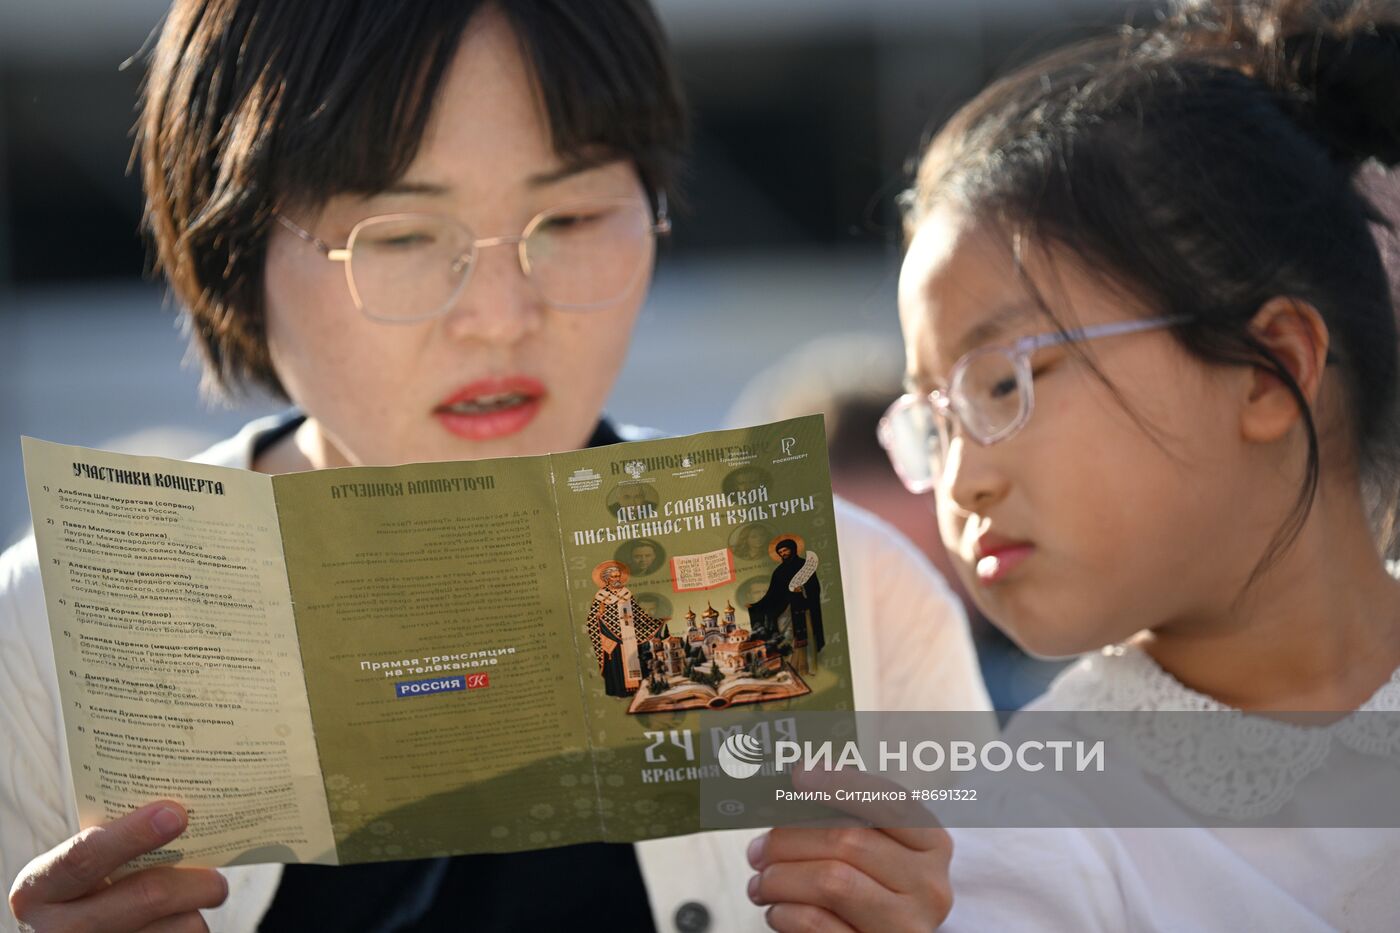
(722, 642)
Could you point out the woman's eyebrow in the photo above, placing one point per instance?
(406, 187)
(575, 166)
(538, 180)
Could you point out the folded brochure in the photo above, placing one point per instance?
(375, 663)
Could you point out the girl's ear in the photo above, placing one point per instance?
(1294, 332)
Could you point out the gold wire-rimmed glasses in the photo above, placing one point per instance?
(581, 255)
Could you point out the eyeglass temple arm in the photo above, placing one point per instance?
(663, 216)
(324, 248)
(1114, 329)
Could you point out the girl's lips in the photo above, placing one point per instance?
(995, 565)
(507, 404)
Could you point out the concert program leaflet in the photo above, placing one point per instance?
(375, 663)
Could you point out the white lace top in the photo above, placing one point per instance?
(1197, 878)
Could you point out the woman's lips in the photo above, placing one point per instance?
(995, 564)
(491, 408)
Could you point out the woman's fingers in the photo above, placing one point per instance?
(183, 923)
(67, 888)
(890, 878)
(81, 864)
(154, 899)
(156, 894)
(804, 918)
(835, 886)
(878, 801)
(871, 851)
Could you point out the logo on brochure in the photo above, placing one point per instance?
(788, 445)
(585, 480)
(741, 755)
(688, 468)
(634, 468)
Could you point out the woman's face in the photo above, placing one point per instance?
(1087, 525)
(523, 377)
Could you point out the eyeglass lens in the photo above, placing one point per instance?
(987, 395)
(412, 266)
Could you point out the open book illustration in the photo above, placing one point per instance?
(399, 662)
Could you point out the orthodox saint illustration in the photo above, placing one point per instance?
(617, 626)
(793, 589)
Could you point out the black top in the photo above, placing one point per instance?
(580, 886)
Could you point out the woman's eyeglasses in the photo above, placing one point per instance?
(990, 393)
(410, 267)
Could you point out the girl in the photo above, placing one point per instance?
(300, 161)
(1152, 369)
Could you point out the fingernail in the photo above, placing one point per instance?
(753, 890)
(167, 821)
(755, 851)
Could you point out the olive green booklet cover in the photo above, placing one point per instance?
(374, 663)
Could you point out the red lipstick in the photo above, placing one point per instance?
(490, 408)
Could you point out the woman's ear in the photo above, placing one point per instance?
(1294, 332)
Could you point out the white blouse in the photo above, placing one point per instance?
(1196, 878)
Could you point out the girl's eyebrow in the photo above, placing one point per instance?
(990, 327)
(981, 332)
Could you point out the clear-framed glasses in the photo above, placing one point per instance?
(582, 255)
(990, 393)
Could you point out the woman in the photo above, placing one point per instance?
(285, 145)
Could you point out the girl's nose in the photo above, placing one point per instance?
(971, 477)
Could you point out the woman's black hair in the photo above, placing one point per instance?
(253, 105)
(1208, 164)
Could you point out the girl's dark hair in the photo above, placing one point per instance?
(252, 105)
(1208, 164)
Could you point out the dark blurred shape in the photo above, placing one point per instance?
(68, 209)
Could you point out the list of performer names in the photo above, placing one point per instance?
(176, 651)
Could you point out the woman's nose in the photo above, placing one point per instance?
(498, 304)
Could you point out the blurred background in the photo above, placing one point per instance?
(807, 113)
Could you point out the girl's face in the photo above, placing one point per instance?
(1087, 525)
(524, 377)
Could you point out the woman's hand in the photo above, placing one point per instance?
(67, 888)
(854, 878)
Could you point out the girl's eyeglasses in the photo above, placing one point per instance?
(990, 393)
(410, 267)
